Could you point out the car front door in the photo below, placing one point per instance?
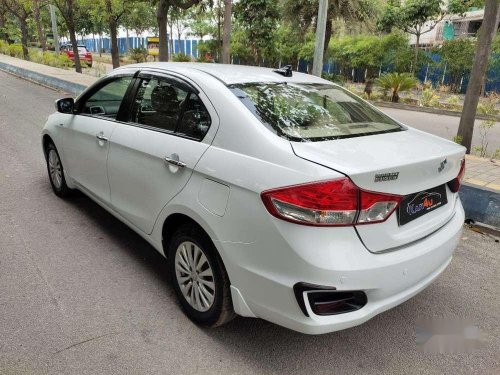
(152, 158)
(86, 136)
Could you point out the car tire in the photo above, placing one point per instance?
(56, 172)
(191, 249)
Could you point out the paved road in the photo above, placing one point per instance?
(82, 294)
(444, 126)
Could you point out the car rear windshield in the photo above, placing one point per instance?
(82, 50)
(312, 112)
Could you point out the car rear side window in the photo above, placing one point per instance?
(312, 112)
(162, 104)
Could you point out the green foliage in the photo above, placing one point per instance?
(4, 47)
(457, 55)
(396, 82)
(458, 139)
(15, 50)
(429, 98)
(371, 52)
(488, 105)
(335, 78)
(258, 22)
(51, 59)
(138, 55)
(181, 57)
(484, 130)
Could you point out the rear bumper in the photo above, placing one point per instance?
(265, 280)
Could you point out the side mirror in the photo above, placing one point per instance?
(65, 105)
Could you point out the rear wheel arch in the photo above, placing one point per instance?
(175, 221)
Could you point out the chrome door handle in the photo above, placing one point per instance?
(177, 163)
(101, 137)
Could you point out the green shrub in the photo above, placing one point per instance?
(396, 82)
(16, 50)
(4, 47)
(181, 57)
(335, 78)
(138, 55)
(429, 98)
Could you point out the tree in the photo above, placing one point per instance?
(140, 18)
(457, 56)
(486, 34)
(418, 17)
(38, 22)
(69, 10)
(162, 11)
(226, 33)
(303, 13)
(258, 20)
(21, 9)
(115, 10)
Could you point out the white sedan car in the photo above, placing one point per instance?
(273, 194)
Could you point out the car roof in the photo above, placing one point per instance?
(232, 74)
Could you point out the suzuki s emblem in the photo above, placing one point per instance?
(442, 165)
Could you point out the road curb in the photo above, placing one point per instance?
(436, 111)
(481, 204)
(42, 79)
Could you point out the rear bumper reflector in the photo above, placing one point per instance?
(327, 300)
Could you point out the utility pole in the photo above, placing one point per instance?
(320, 38)
(54, 27)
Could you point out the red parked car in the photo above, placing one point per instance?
(83, 52)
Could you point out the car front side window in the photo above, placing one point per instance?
(106, 100)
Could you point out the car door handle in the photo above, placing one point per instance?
(177, 163)
(101, 137)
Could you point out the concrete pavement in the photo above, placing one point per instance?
(80, 293)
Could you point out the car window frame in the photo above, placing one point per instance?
(183, 85)
(122, 110)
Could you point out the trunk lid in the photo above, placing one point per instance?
(402, 163)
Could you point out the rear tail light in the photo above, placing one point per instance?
(455, 184)
(329, 203)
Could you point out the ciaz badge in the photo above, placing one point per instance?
(386, 176)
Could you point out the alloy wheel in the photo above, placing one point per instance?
(194, 276)
(55, 169)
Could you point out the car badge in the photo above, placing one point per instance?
(442, 165)
(386, 176)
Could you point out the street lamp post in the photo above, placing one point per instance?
(320, 38)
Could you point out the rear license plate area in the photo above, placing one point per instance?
(416, 205)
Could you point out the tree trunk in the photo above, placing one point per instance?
(127, 45)
(74, 43)
(161, 18)
(486, 34)
(226, 33)
(328, 34)
(415, 58)
(219, 34)
(24, 37)
(171, 41)
(36, 16)
(179, 39)
(115, 55)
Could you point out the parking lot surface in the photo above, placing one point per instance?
(80, 293)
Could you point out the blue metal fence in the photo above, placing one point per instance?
(187, 46)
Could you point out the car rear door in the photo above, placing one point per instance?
(151, 158)
(86, 135)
